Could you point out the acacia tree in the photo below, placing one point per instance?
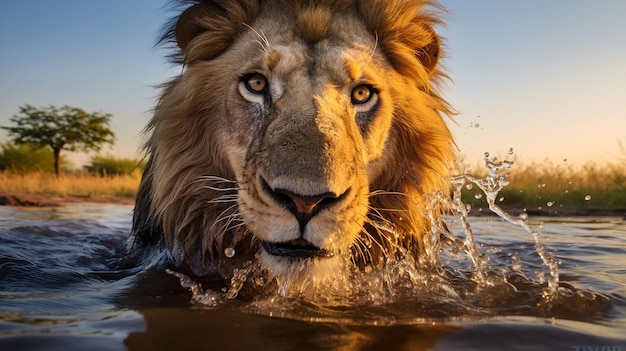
(61, 128)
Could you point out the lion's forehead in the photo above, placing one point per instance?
(342, 55)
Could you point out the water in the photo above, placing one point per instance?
(559, 284)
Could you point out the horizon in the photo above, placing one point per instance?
(547, 80)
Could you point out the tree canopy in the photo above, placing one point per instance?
(61, 128)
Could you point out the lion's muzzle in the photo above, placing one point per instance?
(303, 207)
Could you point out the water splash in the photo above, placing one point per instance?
(229, 252)
(203, 297)
(403, 276)
(491, 186)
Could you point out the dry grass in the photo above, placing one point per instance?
(592, 185)
(72, 184)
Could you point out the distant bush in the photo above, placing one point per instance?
(108, 165)
(24, 159)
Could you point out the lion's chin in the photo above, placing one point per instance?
(298, 268)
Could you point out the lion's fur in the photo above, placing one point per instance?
(188, 197)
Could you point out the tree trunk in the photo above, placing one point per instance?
(57, 161)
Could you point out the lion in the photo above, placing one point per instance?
(303, 135)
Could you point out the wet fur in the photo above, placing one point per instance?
(188, 198)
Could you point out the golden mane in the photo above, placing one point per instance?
(185, 202)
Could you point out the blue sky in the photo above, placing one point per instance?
(544, 77)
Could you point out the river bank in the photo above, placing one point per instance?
(50, 200)
(551, 212)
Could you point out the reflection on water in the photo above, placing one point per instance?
(64, 285)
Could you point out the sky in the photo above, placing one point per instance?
(545, 78)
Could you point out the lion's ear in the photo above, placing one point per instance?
(188, 25)
(204, 31)
(429, 54)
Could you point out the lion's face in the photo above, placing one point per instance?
(305, 109)
(307, 156)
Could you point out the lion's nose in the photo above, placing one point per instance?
(303, 207)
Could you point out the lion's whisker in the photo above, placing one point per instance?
(216, 179)
(361, 248)
(375, 46)
(263, 41)
(357, 252)
(219, 189)
(232, 222)
(224, 199)
(225, 214)
(232, 226)
(378, 209)
(375, 213)
(385, 192)
(387, 233)
(232, 209)
(369, 236)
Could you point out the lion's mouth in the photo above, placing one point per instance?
(298, 248)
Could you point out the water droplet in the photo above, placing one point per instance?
(476, 125)
(478, 196)
(469, 186)
(550, 203)
(229, 252)
(588, 197)
(523, 216)
(501, 199)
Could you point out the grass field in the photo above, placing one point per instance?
(594, 185)
(71, 184)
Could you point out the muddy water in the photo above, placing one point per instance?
(64, 286)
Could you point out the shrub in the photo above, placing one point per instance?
(23, 159)
(108, 165)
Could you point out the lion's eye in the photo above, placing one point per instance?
(364, 98)
(256, 83)
(361, 94)
(254, 87)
